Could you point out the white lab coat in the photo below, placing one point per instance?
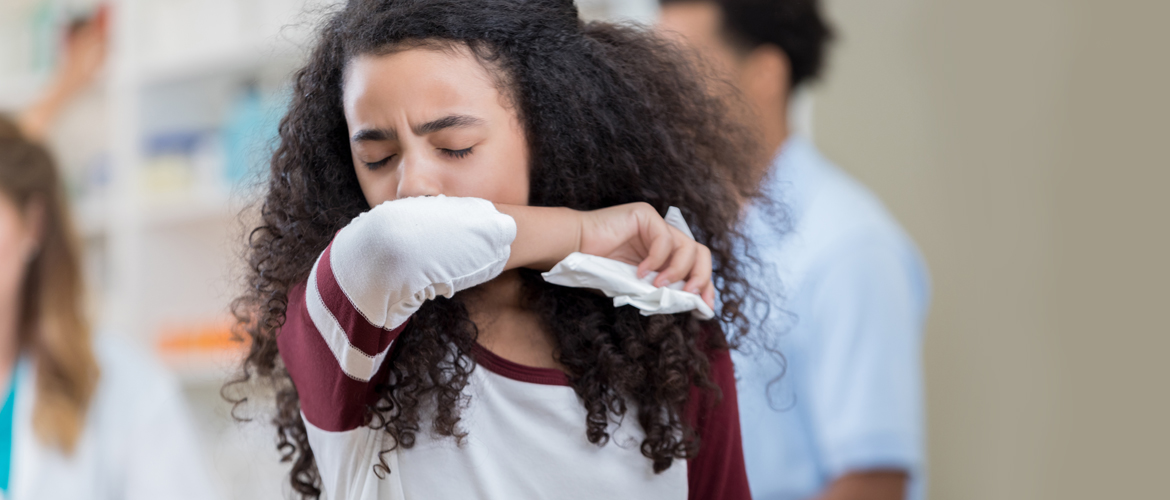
(138, 441)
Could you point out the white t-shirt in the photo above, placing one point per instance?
(525, 427)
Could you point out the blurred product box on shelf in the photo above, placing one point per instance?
(232, 155)
(181, 161)
(250, 133)
(205, 352)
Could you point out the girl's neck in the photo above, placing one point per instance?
(506, 326)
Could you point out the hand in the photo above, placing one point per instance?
(83, 57)
(85, 48)
(634, 233)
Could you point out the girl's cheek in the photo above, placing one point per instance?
(376, 189)
(14, 257)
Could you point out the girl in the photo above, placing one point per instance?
(436, 157)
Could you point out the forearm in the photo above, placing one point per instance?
(380, 269)
(868, 485)
(544, 235)
(401, 253)
(36, 120)
(83, 56)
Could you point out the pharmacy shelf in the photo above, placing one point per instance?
(203, 368)
(245, 60)
(94, 218)
(91, 216)
(177, 210)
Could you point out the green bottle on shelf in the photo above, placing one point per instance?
(250, 135)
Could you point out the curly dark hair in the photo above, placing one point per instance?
(612, 115)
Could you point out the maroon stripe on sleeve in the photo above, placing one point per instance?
(367, 337)
(330, 399)
(717, 472)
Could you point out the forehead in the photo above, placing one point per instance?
(417, 81)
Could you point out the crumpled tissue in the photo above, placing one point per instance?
(620, 281)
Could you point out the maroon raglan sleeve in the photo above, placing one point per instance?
(330, 398)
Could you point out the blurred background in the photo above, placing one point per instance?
(1020, 142)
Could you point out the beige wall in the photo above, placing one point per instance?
(1024, 145)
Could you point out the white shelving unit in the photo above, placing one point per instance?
(175, 68)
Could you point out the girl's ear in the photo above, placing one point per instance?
(34, 224)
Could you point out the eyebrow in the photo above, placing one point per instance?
(384, 134)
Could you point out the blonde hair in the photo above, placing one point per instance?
(52, 323)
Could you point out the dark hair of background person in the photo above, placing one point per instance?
(612, 115)
(52, 326)
(796, 26)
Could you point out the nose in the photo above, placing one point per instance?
(418, 177)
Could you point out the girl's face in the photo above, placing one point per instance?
(424, 122)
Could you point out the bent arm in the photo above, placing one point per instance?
(387, 262)
(383, 266)
(392, 259)
(379, 269)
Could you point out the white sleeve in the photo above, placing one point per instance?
(390, 260)
(346, 460)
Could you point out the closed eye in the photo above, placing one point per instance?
(380, 163)
(456, 153)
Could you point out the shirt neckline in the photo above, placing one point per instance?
(516, 371)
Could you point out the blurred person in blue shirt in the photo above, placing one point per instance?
(841, 416)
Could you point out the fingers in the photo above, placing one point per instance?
(700, 272)
(682, 260)
(673, 255)
(676, 258)
(657, 232)
(699, 281)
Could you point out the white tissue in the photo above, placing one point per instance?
(674, 218)
(620, 281)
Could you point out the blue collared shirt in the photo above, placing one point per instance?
(848, 292)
